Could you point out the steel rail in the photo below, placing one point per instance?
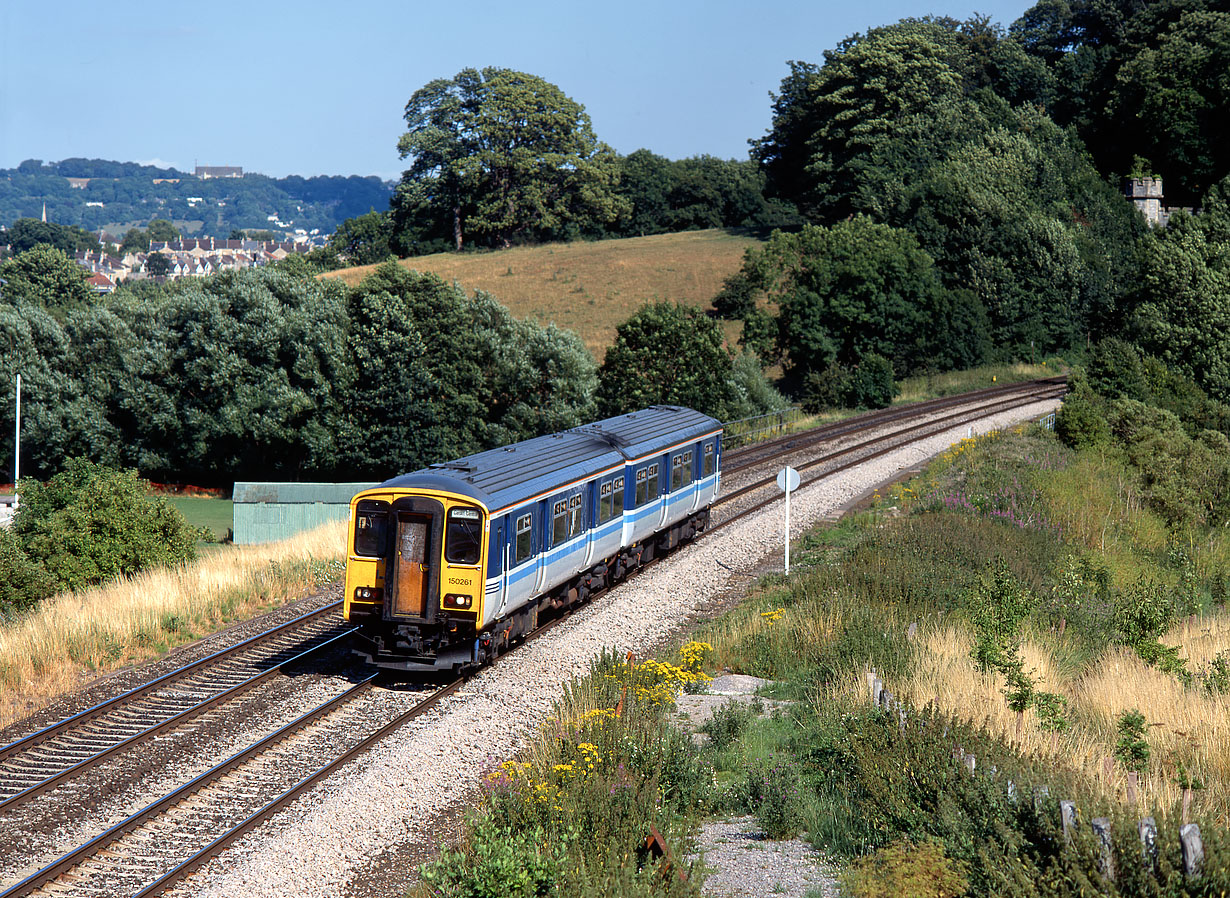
(1006, 403)
(82, 717)
(185, 868)
(221, 698)
(133, 821)
(804, 438)
(843, 467)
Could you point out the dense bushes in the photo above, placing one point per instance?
(1182, 465)
(261, 374)
(85, 525)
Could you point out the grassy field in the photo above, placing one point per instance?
(589, 288)
(216, 514)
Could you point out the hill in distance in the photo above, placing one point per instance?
(591, 287)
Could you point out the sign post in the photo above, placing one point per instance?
(17, 446)
(788, 482)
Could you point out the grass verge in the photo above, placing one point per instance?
(68, 639)
(1007, 632)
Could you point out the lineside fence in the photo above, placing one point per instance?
(760, 427)
(1070, 818)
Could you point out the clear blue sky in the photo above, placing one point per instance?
(319, 88)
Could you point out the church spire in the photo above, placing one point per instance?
(44, 212)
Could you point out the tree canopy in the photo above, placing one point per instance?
(499, 156)
(667, 353)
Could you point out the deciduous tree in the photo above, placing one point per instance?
(501, 156)
(667, 353)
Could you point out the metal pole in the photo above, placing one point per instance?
(787, 526)
(17, 446)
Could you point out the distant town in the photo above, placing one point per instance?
(189, 257)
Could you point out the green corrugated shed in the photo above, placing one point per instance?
(265, 512)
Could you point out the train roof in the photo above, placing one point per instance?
(500, 478)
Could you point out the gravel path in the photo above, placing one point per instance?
(742, 863)
(338, 838)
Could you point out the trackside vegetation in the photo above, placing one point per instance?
(86, 525)
(54, 647)
(1066, 633)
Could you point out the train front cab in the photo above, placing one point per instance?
(414, 578)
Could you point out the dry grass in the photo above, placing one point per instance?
(590, 288)
(71, 638)
(930, 386)
(1186, 725)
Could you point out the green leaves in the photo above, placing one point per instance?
(499, 156)
(90, 523)
(667, 353)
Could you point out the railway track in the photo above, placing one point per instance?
(55, 754)
(158, 845)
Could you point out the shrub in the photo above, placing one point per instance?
(1080, 422)
(1132, 751)
(727, 723)
(774, 793)
(498, 861)
(90, 523)
(869, 384)
(907, 869)
(23, 581)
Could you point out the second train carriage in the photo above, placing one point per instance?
(449, 564)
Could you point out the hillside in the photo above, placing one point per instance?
(590, 288)
(97, 193)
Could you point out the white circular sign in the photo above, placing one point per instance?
(788, 480)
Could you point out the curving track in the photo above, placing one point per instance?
(160, 843)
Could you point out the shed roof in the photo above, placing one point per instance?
(297, 493)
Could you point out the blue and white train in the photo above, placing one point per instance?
(449, 565)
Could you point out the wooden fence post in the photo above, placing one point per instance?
(1148, 841)
(1193, 849)
(1041, 794)
(1067, 816)
(1106, 860)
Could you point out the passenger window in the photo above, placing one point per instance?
(617, 496)
(642, 487)
(576, 515)
(559, 522)
(707, 465)
(370, 529)
(676, 472)
(525, 541)
(687, 467)
(605, 507)
(653, 482)
(461, 541)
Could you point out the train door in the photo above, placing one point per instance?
(540, 547)
(501, 544)
(589, 521)
(412, 563)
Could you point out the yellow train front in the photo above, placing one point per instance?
(449, 565)
(414, 577)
